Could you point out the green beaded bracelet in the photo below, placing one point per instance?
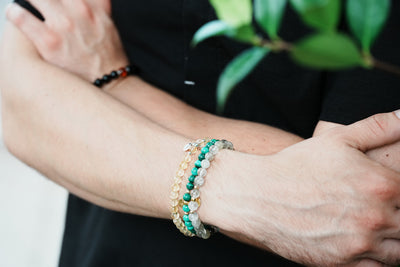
(191, 199)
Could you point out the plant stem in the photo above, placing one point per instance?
(386, 67)
(276, 46)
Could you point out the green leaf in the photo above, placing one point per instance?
(366, 19)
(214, 28)
(244, 34)
(211, 29)
(327, 51)
(268, 14)
(233, 12)
(236, 71)
(322, 15)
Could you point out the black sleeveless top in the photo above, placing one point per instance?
(156, 35)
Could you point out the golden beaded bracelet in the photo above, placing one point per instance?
(190, 149)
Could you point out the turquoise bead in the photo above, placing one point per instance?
(188, 224)
(185, 208)
(204, 150)
(194, 171)
(197, 164)
(193, 231)
(187, 197)
(214, 141)
(191, 178)
(202, 156)
(189, 186)
(186, 218)
(190, 228)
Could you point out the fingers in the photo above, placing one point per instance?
(25, 21)
(388, 252)
(373, 132)
(46, 7)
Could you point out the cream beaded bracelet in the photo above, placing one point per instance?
(191, 199)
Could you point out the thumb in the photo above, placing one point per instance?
(375, 131)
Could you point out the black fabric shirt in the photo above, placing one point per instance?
(156, 35)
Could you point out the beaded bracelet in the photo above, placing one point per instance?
(190, 149)
(115, 74)
(191, 199)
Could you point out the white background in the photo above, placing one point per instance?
(32, 210)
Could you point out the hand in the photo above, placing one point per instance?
(321, 202)
(388, 155)
(78, 35)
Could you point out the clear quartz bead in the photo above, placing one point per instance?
(199, 181)
(209, 156)
(227, 144)
(205, 164)
(196, 223)
(193, 216)
(219, 144)
(195, 193)
(188, 158)
(214, 149)
(193, 205)
(177, 180)
(201, 231)
(202, 172)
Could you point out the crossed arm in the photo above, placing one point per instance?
(105, 151)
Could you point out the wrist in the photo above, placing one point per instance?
(231, 193)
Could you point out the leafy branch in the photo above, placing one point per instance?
(326, 48)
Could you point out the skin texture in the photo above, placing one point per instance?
(308, 207)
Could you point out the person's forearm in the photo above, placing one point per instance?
(83, 139)
(179, 117)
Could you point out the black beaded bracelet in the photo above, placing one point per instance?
(122, 72)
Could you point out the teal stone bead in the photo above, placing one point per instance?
(189, 186)
(186, 218)
(190, 228)
(186, 208)
(197, 164)
(187, 197)
(202, 156)
(188, 224)
(204, 150)
(191, 178)
(194, 170)
(214, 141)
(193, 231)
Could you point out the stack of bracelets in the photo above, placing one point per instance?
(122, 72)
(190, 224)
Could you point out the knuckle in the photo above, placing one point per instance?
(382, 187)
(51, 41)
(84, 10)
(374, 221)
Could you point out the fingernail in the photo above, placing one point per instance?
(397, 113)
